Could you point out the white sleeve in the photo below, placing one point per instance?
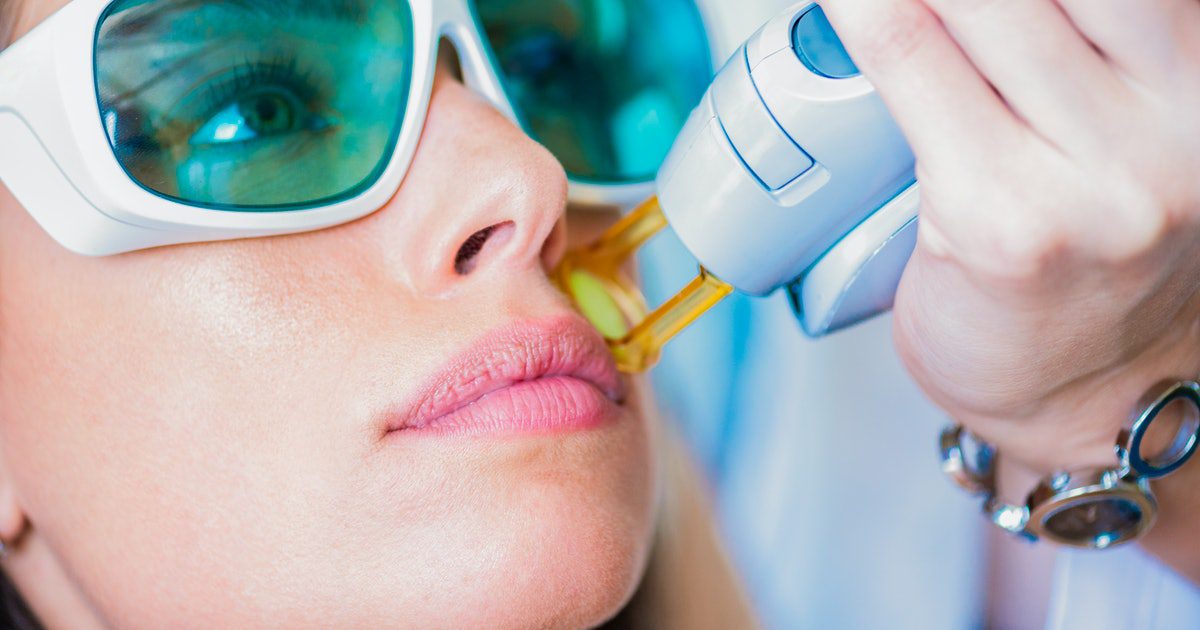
(1120, 589)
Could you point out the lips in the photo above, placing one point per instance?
(529, 377)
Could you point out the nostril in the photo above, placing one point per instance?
(468, 254)
(464, 262)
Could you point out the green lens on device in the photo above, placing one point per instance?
(254, 105)
(605, 85)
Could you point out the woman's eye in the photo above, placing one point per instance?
(255, 116)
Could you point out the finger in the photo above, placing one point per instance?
(1146, 39)
(946, 109)
(1045, 69)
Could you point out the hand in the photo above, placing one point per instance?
(1057, 273)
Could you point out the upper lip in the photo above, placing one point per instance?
(513, 354)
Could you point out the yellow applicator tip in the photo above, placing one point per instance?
(592, 277)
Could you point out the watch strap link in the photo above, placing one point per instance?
(1093, 508)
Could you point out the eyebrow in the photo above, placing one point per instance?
(158, 16)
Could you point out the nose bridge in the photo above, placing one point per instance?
(456, 21)
(481, 200)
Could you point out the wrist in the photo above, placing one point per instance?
(1093, 507)
(1173, 537)
(1075, 425)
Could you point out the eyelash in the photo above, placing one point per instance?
(247, 75)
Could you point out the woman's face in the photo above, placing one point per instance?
(199, 435)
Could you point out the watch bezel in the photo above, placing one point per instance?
(1065, 490)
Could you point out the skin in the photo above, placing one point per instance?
(1024, 316)
(1057, 273)
(188, 435)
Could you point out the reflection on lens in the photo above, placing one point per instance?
(606, 85)
(254, 104)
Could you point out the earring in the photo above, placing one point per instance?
(3, 549)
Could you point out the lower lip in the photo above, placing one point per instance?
(555, 404)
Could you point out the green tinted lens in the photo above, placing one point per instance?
(605, 84)
(254, 104)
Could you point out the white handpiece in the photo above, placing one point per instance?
(792, 174)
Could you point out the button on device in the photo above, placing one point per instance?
(819, 48)
(754, 135)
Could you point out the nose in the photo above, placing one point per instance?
(480, 200)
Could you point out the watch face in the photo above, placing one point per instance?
(1097, 521)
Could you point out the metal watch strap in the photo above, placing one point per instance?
(1090, 508)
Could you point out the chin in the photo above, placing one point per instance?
(571, 547)
(551, 532)
(577, 570)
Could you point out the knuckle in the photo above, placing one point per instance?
(1128, 215)
(895, 34)
(1177, 192)
(1063, 216)
(1141, 222)
(994, 234)
(1023, 246)
(968, 8)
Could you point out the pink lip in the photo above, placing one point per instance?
(531, 377)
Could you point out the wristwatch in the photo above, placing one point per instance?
(1093, 508)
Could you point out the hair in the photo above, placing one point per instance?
(13, 611)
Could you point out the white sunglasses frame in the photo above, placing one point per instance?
(57, 161)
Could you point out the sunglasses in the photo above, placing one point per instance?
(131, 124)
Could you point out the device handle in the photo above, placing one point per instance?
(858, 277)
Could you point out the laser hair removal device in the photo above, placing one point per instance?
(791, 174)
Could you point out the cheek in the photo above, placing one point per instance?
(161, 404)
(190, 425)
